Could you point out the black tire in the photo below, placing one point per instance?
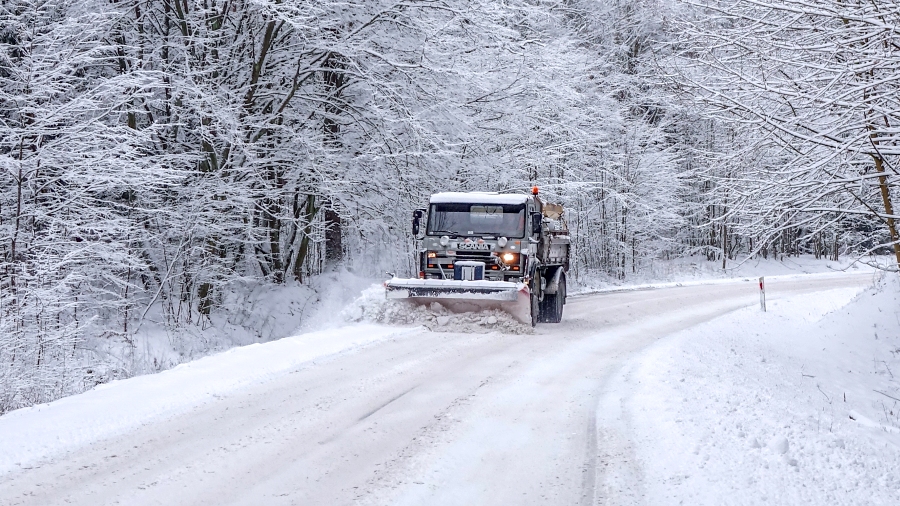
(535, 303)
(560, 298)
(551, 309)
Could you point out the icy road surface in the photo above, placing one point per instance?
(416, 418)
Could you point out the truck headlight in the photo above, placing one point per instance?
(502, 241)
(510, 258)
(445, 240)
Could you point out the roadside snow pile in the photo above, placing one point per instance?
(799, 405)
(373, 307)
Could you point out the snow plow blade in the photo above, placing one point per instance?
(514, 298)
(451, 289)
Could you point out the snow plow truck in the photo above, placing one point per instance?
(481, 250)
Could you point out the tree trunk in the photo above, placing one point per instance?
(335, 80)
(204, 305)
(334, 249)
(303, 251)
(724, 245)
(888, 207)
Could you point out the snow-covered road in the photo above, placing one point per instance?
(414, 418)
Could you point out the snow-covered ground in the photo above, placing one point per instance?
(260, 313)
(695, 270)
(249, 313)
(797, 405)
(29, 435)
(686, 393)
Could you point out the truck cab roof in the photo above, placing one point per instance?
(479, 198)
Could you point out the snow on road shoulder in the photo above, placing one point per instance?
(692, 272)
(30, 434)
(794, 406)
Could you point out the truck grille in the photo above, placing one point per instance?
(473, 255)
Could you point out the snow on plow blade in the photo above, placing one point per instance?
(451, 289)
(514, 298)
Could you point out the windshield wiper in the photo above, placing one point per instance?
(448, 232)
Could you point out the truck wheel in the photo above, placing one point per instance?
(535, 304)
(560, 298)
(552, 306)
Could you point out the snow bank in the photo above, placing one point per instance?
(692, 271)
(798, 405)
(248, 313)
(30, 434)
(372, 306)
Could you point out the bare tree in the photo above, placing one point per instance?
(814, 85)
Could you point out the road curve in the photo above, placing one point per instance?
(421, 419)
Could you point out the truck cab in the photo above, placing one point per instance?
(496, 229)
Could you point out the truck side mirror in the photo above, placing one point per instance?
(417, 218)
(536, 223)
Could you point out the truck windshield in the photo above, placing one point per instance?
(507, 220)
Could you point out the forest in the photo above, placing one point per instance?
(156, 153)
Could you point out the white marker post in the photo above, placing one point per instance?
(762, 294)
